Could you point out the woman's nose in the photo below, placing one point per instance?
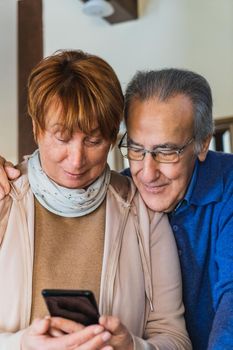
(77, 155)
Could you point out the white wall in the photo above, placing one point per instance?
(193, 34)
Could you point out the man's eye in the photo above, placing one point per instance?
(167, 153)
(135, 150)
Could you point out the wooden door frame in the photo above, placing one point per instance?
(30, 52)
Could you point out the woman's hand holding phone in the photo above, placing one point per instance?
(79, 313)
(76, 336)
(113, 332)
(121, 338)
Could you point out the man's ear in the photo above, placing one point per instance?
(204, 149)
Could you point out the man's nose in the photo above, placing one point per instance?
(150, 169)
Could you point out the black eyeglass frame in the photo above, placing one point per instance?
(178, 151)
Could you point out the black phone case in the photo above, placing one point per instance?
(76, 305)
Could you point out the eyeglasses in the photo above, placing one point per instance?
(132, 152)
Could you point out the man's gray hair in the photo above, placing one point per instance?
(167, 83)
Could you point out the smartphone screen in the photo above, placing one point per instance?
(76, 305)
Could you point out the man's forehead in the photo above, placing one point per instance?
(161, 117)
(154, 145)
(177, 102)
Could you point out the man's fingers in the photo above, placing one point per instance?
(4, 182)
(2, 192)
(9, 164)
(2, 161)
(12, 173)
(7, 172)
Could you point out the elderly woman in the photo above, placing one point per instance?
(71, 223)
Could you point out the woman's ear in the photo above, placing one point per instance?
(204, 149)
(35, 130)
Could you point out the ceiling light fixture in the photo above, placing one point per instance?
(98, 8)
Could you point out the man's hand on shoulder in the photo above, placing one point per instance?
(7, 173)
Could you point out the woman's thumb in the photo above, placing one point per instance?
(40, 326)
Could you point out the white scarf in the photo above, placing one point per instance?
(61, 200)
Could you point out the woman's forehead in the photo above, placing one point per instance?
(56, 117)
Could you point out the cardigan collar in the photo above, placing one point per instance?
(205, 187)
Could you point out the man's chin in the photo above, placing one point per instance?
(156, 202)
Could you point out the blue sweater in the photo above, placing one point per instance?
(203, 229)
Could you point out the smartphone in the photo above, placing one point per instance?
(76, 305)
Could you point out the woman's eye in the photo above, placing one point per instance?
(93, 142)
(62, 138)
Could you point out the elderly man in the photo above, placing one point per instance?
(168, 115)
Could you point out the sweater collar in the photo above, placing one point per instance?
(205, 187)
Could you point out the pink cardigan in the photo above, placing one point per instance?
(140, 282)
